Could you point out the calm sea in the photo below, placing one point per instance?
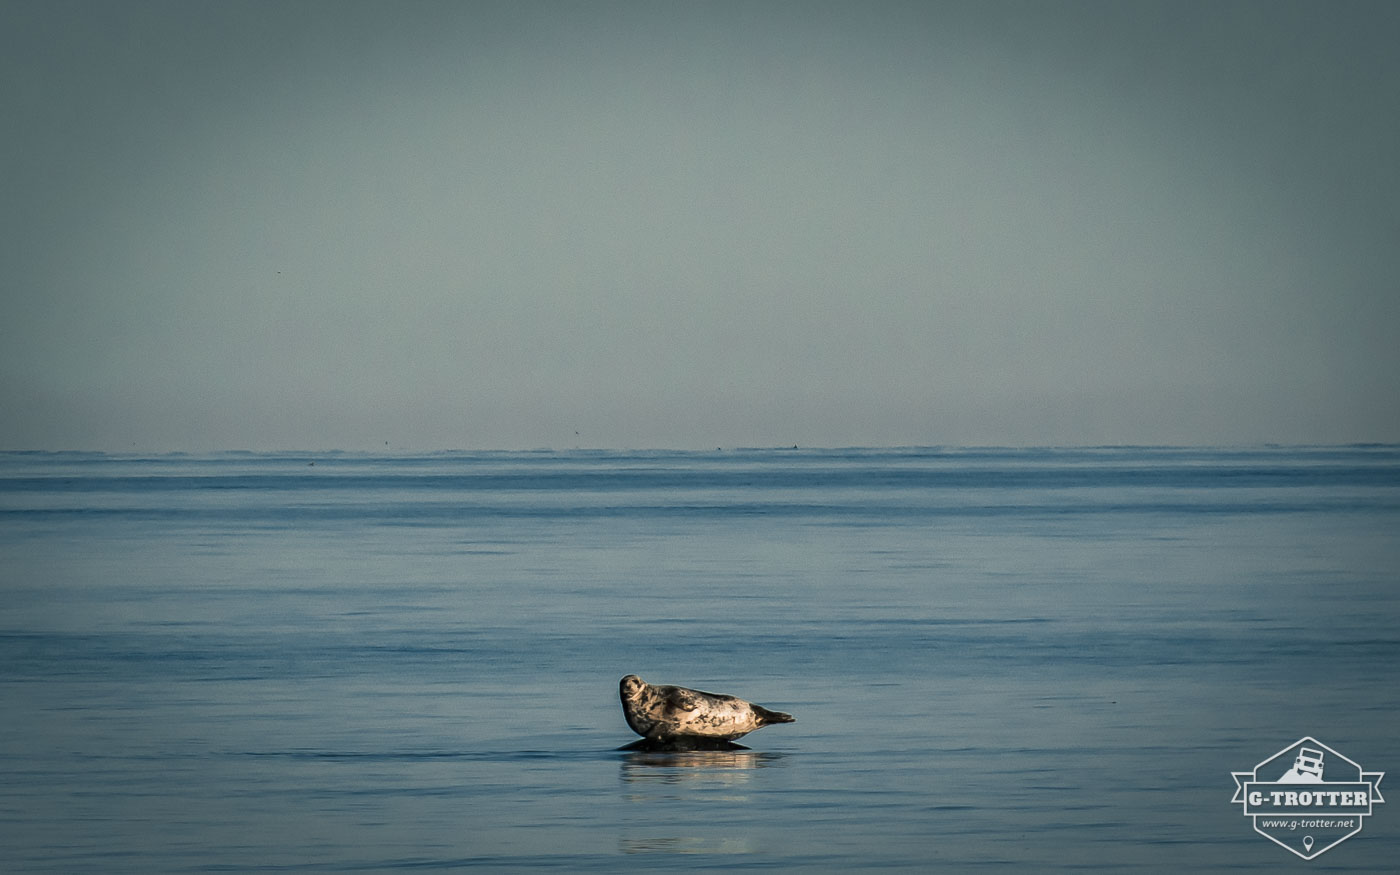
(998, 659)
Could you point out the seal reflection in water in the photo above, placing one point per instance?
(675, 718)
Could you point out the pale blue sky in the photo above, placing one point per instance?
(474, 225)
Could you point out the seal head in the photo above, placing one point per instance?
(670, 714)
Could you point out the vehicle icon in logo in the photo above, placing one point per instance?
(1307, 768)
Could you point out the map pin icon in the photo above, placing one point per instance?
(1307, 843)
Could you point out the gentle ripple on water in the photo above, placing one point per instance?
(998, 659)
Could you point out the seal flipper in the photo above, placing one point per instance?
(683, 700)
(766, 717)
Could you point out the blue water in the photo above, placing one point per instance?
(998, 659)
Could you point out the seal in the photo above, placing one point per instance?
(690, 719)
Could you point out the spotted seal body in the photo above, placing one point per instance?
(675, 714)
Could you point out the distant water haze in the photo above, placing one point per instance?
(279, 225)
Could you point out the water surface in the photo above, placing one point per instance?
(998, 659)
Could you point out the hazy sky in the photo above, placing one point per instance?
(316, 225)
